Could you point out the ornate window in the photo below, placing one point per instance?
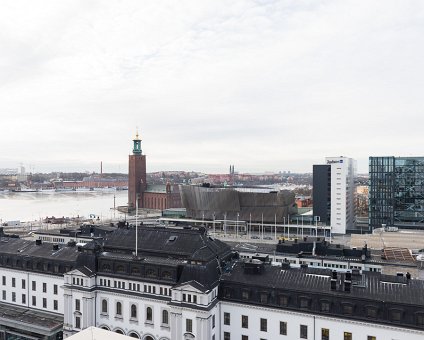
(118, 308)
(149, 314)
(104, 306)
(165, 317)
(133, 311)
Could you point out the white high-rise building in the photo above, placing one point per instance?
(334, 193)
(342, 211)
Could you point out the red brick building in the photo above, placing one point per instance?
(148, 196)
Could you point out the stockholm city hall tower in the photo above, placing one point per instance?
(137, 181)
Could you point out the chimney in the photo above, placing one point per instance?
(348, 282)
(347, 286)
(285, 265)
(333, 280)
(348, 276)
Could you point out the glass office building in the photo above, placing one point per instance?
(396, 192)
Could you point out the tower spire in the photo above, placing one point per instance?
(137, 144)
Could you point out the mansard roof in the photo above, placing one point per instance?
(26, 248)
(369, 285)
(193, 245)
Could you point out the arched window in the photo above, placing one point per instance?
(165, 315)
(104, 306)
(119, 331)
(149, 314)
(134, 311)
(134, 335)
(118, 308)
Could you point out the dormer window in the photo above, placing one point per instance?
(396, 315)
(347, 308)
(371, 312)
(245, 294)
(227, 293)
(263, 297)
(325, 306)
(166, 275)
(150, 273)
(135, 270)
(283, 300)
(120, 269)
(304, 302)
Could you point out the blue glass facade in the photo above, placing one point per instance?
(396, 192)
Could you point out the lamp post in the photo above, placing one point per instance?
(262, 236)
(275, 228)
(288, 226)
(250, 222)
(225, 224)
(237, 225)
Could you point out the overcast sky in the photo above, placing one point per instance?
(264, 85)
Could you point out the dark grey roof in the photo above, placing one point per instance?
(16, 246)
(183, 244)
(30, 319)
(369, 285)
(206, 275)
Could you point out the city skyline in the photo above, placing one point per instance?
(264, 85)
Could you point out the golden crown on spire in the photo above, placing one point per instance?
(137, 135)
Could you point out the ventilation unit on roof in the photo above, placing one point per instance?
(172, 238)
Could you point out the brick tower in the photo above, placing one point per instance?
(137, 183)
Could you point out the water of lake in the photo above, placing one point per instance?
(32, 206)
